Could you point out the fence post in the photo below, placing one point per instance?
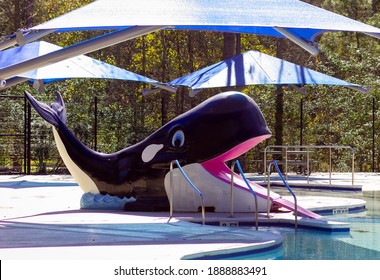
(373, 134)
(96, 123)
(25, 133)
(29, 110)
(301, 122)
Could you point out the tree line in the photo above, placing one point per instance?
(330, 115)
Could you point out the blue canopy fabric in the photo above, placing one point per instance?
(262, 17)
(293, 19)
(78, 67)
(255, 68)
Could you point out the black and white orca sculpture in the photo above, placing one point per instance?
(220, 129)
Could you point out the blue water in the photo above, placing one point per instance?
(362, 243)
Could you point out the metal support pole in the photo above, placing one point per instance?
(301, 121)
(12, 82)
(268, 192)
(286, 163)
(19, 38)
(29, 138)
(373, 134)
(330, 167)
(25, 133)
(88, 46)
(353, 167)
(308, 166)
(95, 123)
(295, 39)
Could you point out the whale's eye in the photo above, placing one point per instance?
(178, 139)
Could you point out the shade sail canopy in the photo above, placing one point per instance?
(263, 17)
(293, 19)
(78, 67)
(255, 68)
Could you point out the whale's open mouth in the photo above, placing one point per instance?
(217, 165)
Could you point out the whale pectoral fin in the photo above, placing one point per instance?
(53, 114)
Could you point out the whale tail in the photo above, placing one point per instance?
(54, 114)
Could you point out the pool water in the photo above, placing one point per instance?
(361, 243)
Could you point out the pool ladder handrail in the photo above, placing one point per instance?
(287, 186)
(191, 184)
(307, 148)
(250, 188)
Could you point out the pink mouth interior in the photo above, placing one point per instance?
(218, 168)
(238, 150)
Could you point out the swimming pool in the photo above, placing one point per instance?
(53, 208)
(361, 243)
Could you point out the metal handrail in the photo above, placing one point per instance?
(308, 160)
(287, 186)
(252, 191)
(191, 184)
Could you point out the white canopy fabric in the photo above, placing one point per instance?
(261, 17)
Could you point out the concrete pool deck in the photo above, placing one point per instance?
(40, 219)
(44, 222)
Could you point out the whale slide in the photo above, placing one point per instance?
(216, 131)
